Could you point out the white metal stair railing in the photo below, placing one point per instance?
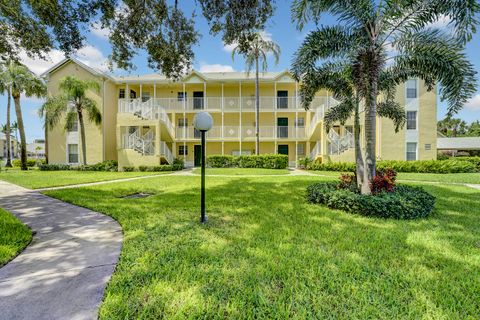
(166, 152)
(315, 151)
(134, 142)
(339, 144)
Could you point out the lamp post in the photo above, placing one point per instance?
(203, 122)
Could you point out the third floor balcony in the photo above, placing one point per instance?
(243, 133)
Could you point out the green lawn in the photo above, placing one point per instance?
(35, 179)
(241, 171)
(473, 178)
(14, 236)
(266, 253)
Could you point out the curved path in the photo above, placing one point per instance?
(62, 274)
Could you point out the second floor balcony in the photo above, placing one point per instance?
(243, 133)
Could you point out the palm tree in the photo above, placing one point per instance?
(256, 51)
(23, 81)
(51, 112)
(5, 85)
(73, 102)
(14, 128)
(452, 127)
(397, 36)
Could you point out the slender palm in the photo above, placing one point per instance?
(398, 36)
(73, 102)
(5, 88)
(14, 128)
(23, 81)
(51, 112)
(256, 51)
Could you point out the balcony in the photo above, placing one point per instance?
(227, 104)
(244, 132)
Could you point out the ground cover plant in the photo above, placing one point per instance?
(267, 253)
(241, 171)
(14, 236)
(266, 161)
(35, 179)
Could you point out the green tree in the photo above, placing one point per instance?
(400, 32)
(452, 127)
(162, 30)
(256, 51)
(72, 103)
(5, 88)
(23, 81)
(51, 112)
(474, 129)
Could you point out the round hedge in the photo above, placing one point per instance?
(404, 203)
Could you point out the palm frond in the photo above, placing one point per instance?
(339, 113)
(94, 115)
(394, 111)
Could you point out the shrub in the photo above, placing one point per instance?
(404, 202)
(128, 168)
(30, 162)
(419, 166)
(53, 167)
(473, 160)
(304, 163)
(142, 168)
(267, 161)
(384, 181)
(348, 181)
(178, 164)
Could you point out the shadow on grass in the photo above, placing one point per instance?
(266, 253)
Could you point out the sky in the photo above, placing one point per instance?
(210, 55)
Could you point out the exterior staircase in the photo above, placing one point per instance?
(340, 144)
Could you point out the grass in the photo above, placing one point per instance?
(241, 171)
(35, 179)
(266, 253)
(473, 178)
(14, 236)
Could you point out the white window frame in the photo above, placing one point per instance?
(407, 87)
(406, 151)
(68, 153)
(416, 119)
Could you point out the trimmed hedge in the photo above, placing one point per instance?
(266, 161)
(176, 165)
(404, 203)
(30, 162)
(473, 160)
(419, 166)
(53, 167)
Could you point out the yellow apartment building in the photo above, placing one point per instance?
(148, 120)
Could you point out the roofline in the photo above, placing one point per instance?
(81, 64)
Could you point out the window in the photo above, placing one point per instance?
(133, 94)
(181, 96)
(73, 153)
(282, 99)
(300, 122)
(411, 120)
(428, 146)
(411, 86)
(411, 151)
(73, 127)
(182, 150)
(121, 94)
(300, 149)
(182, 122)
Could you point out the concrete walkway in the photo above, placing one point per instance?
(62, 274)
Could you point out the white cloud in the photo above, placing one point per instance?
(442, 23)
(473, 103)
(37, 65)
(92, 57)
(267, 36)
(215, 68)
(32, 99)
(98, 31)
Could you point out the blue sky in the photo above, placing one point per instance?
(210, 55)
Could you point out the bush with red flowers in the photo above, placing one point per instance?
(384, 181)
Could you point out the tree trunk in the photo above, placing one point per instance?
(360, 165)
(257, 109)
(7, 133)
(46, 142)
(370, 134)
(21, 128)
(82, 136)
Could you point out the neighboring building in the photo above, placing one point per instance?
(14, 148)
(148, 120)
(36, 149)
(458, 145)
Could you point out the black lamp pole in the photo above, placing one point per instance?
(203, 218)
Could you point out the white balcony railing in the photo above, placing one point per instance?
(245, 132)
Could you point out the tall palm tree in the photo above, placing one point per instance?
(73, 102)
(51, 112)
(23, 81)
(257, 49)
(399, 36)
(14, 128)
(5, 85)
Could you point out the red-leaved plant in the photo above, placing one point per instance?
(384, 181)
(347, 181)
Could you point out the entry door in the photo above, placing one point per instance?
(282, 99)
(282, 127)
(198, 100)
(283, 149)
(197, 155)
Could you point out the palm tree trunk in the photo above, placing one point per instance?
(46, 142)
(7, 133)
(82, 136)
(370, 134)
(360, 165)
(257, 109)
(21, 128)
